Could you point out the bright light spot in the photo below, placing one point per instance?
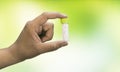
(25, 12)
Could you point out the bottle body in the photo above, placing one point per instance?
(65, 31)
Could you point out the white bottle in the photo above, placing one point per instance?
(65, 28)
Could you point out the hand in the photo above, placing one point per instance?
(32, 40)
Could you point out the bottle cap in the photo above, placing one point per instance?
(63, 20)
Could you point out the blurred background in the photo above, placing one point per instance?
(94, 28)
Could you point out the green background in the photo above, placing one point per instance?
(94, 29)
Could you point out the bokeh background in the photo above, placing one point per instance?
(94, 28)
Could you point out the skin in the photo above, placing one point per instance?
(32, 40)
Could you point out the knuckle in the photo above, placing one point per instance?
(44, 13)
(50, 38)
(59, 44)
(50, 35)
(51, 25)
(57, 12)
(28, 24)
(54, 47)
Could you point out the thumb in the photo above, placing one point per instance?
(51, 46)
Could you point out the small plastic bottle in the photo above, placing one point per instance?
(65, 28)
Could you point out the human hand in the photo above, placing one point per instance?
(32, 40)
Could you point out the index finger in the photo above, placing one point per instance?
(47, 15)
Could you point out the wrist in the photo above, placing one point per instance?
(15, 52)
(9, 56)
